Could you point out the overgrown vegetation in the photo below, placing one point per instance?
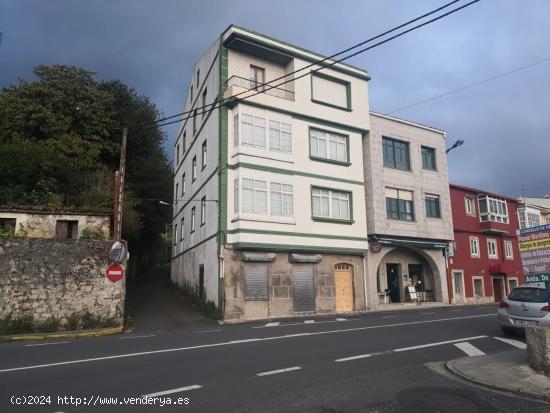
(92, 233)
(25, 324)
(197, 299)
(60, 141)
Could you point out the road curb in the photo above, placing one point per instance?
(62, 335)
(451, 367)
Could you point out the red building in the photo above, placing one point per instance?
(486, 263)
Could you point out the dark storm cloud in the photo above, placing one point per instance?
(153, 46)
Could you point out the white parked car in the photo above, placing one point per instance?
(526, 306)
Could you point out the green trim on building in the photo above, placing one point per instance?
(364, 75)
(333, 161)
(295, 248)
(306, 118)
(292, 172)
(328, 219)
(294, 234)
(336, 80)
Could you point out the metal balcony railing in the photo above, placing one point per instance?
(253, 85)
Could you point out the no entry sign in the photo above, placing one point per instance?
(115, 272)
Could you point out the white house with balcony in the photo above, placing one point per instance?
(269, 206)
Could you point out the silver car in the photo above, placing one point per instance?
(526, 306)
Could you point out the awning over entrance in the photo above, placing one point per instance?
(405, 242)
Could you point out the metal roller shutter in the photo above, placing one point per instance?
(255, 281)
(304, 287)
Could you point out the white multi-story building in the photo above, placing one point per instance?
(533, 211)
(269, 210)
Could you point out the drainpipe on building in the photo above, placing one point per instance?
(365, 279)
(221, 287)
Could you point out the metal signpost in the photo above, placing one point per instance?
(534, 246)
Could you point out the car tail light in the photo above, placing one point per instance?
(546, 308)
(503, 304)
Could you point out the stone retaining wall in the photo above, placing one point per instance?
(58, 280)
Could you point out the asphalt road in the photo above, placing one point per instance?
(381, 362)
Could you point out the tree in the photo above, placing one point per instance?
(60, 143)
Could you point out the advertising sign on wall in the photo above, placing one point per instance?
(534, 247)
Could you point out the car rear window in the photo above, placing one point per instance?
(529, 295)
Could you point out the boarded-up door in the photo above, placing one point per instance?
(344, 288)
(304, 287)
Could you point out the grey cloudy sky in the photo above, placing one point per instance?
(153, 45)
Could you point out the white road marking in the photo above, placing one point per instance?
(228, 343)
(427, 313)
(515, 343)
(439, 343)
(341, 319)
(269, 373)
(309, 321)
(360, 356)
(390, 316)
(302, 323)
(469, 349)
(178, 390)
(275, 324)
(130, 337)
(456, 311)
(46, 344)
(207, 331)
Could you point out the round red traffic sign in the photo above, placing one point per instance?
(115, 272)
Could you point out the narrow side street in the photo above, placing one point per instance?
(154, 304)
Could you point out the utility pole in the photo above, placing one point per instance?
(119, 187)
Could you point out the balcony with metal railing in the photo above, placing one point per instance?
(235, 84)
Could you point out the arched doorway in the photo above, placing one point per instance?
(343, 278)
(402, 268)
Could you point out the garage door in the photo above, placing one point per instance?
(344, 288)
(304, 287)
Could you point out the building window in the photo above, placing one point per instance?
(183, 185)
(191, 95)
(183, 143)
(194, 169)
(470, 205)
(236, 195)
(399, 204)
(432, 206)
(254, 196)
(8, 225)
(193, 216)
(177, 155)
(176, 192)
(533, 220)
(474, 247)
(328, 146)
(236, 130)
(204, 102)
(255, 281)
(492, 209)
(428, 158)
(257, 77)
(508, 250)
(198, 78)
(282, 199)
(175, 234)
(203, 210)
(396, 154)
(512, 283)
(492, 249)
(330, 91)
(479, 290)
(280, 136)
(330, 204)
(253, 131)
(203, 160)
(182, 232)
(195, 122)
(521, 216)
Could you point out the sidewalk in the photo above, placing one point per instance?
(508, 372)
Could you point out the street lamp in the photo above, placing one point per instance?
(458, 143)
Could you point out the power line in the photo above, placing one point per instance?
(261, 85)
(217, 104)
(470, 85)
